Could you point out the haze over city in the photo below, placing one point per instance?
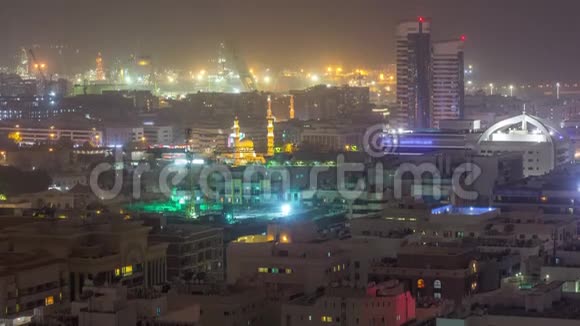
(289, 163)
(511, 41)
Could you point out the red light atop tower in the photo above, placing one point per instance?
(463, 38)
(421, 19)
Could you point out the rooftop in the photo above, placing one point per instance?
(451, 250)
(565, 309)
(229, 297)
(186, 229)
(69, 228)
(14, 262)
(385, 289)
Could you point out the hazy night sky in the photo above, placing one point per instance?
(509, 40)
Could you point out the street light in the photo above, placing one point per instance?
(512, 90)
(286, 209)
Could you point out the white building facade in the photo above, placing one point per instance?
(543, 146)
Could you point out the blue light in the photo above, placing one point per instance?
(453, 210)
(416, 141)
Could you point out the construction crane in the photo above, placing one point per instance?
(37, 65)
(240, 65)
(42, 86)
(23, 66)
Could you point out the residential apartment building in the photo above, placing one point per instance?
(192, 250)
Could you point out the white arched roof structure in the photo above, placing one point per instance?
(543, 127)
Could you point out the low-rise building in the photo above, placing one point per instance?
(33, 136)
(564, 266)
(439, 272)
(555, 193)
(379, 304)
(95, 249)
(543, 304)
(192, 250)
(68, 180)
(209, 140)
(116, 305)
(290, 257)
(230, 308)
(332, 137)
(32, 283)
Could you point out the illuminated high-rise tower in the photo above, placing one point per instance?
(448, 81)
(100, 72)
(292, 107)
(270, 118)
(414, 74)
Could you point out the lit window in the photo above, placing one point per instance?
(473, 267)
(274, 270)
(49, 300)
(288, 270)
(437, 284)
(117, 272)
(262, 269)
(128, 270)
(473, 285)
(437, 295)
(326, 319)
(420, 283)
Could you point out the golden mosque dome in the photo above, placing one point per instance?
(246, 144)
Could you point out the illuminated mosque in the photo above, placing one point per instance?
(243, 151)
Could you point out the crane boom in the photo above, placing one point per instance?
(36, 64)
(240, 65)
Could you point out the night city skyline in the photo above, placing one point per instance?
(289, 163)
(510, 41)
